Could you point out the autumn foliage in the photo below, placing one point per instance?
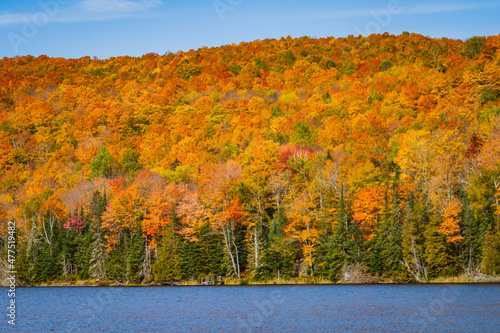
(299, 156)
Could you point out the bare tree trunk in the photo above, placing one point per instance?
(256, 249)
(48, 237)
(237, 258)
(146, 265)
(420, 272)
(237, 254)
(228, 247)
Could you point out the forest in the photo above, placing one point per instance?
(292, 159)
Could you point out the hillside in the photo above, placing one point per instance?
(293, 157)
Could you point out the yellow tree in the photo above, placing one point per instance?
(367, 209)
(450, 226)
(264, 162)
(328, 183)
(414, 157)
(488, 162)
(446, 181)
(123, 214)
(223, 207)
(303, 226)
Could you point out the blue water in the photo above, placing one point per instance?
(332, 308)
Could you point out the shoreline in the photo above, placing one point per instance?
(453, 280)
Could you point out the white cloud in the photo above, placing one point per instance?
(426, 8)
(9, 19)
(93, 10)
(118, 6)
(445, 7)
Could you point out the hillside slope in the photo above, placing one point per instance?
(297, 157)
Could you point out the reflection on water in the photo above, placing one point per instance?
(333, 308)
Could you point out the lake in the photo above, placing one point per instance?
(316, 308)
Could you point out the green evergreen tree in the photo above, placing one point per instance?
(135, 256)
(278, 261)
(278, 256)
(167, 267)
(97, 260)
(391, 239)
(210, 252)
(33, 249)
(190, 261)
(376, 263)
(346, 246)
(46, 256)
(436, 253)
(491, 251)
(472, 232)
(412, 238)
(116, 262)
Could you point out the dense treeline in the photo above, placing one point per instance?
(292, 157)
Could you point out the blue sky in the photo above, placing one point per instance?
(107, 28)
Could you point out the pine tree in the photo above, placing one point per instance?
(491, 251)
(190, 261)
(167, 267)
(345, 246)
(216, 265)
(412, 247)
(278, 256)
(436, 252)
(97, 261)
(278, 260)
(135, 256)
(376, 263)
(33, 249)
(210, 253)
(471, 229)
(47, 258)
(391, 237)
